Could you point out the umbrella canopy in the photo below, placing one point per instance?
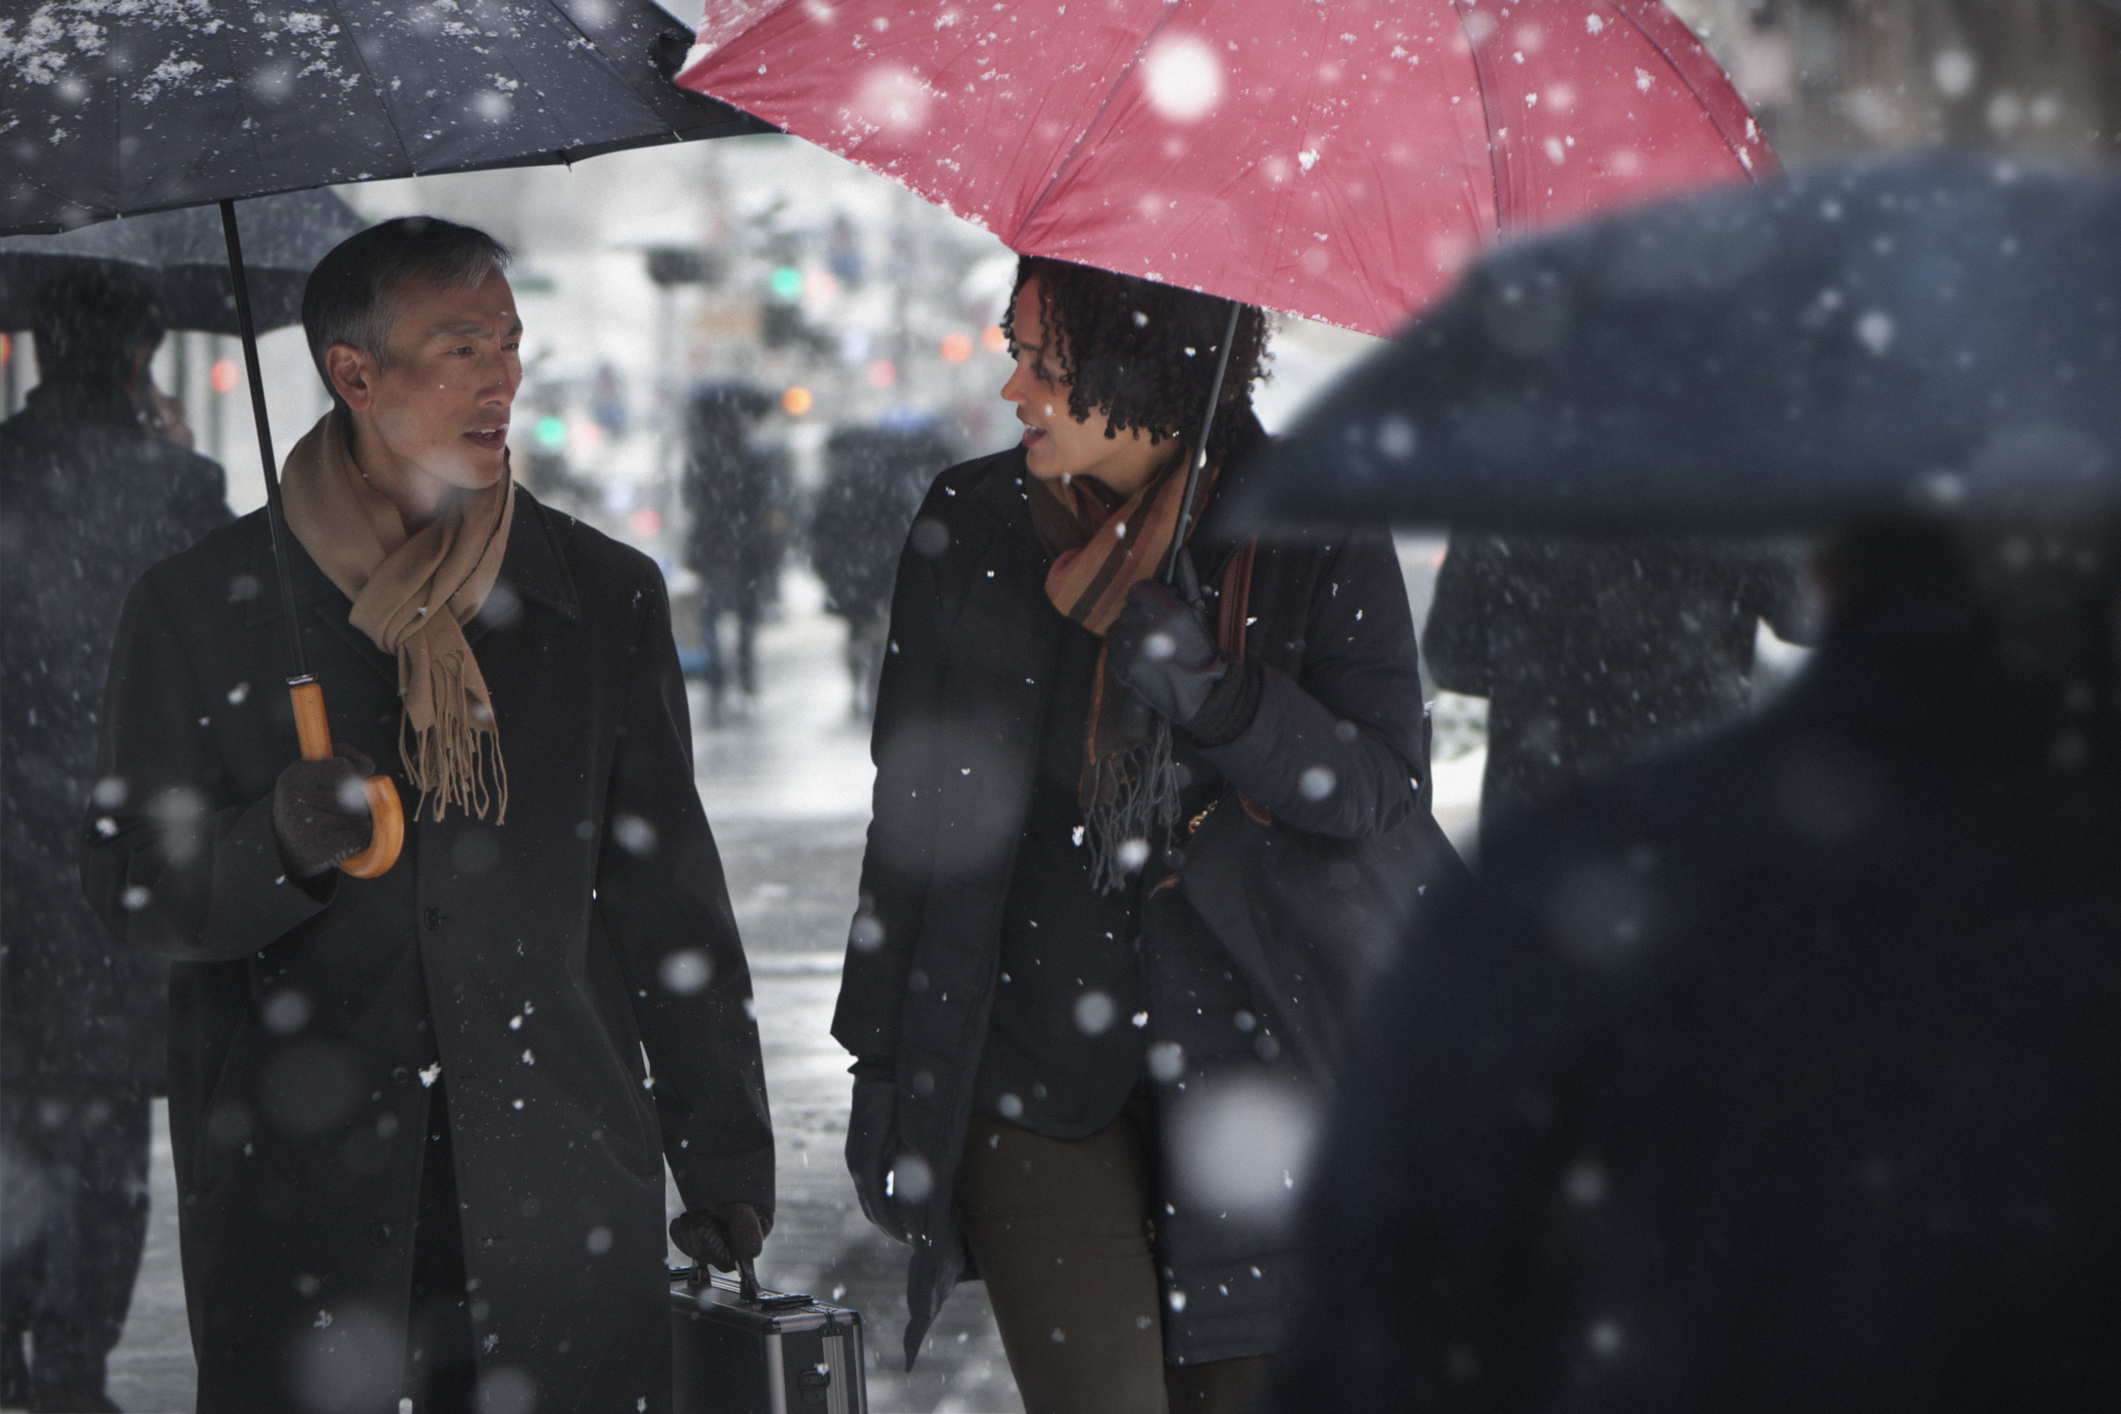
(183, 257)
(113, 110)
(1341, 160)
(1933, 334)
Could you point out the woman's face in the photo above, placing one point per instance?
(1055, 442)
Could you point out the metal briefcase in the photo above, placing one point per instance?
(737, 1349)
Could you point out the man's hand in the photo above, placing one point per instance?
(1163, 649)
(320, 812)
(723, 1235)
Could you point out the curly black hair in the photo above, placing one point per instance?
(1141, 352)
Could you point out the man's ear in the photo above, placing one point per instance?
(352, 375)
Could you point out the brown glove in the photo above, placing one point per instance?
(722, 1235)
(320, 812)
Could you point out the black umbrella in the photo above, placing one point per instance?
(115, 110)
(186, 103)
(183, 257)
(1933, 334)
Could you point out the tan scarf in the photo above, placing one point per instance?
(1100, 551)
(447, 738)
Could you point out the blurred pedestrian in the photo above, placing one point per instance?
(737, 491)
(95, 486)
(1592, 654)
(875, 478)
(1072, 1078)
(421, 1121)
(1779, 1071)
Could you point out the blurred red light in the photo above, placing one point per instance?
(225, 375)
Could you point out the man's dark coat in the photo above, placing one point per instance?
(88, 500)
(1592, 654)
(1781, 1073)
(530, 961)
(960, 715)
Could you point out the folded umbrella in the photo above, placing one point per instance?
(1935, 335)
(183, 258)
(1337, 159)
(185, 104)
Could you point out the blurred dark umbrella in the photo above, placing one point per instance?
(184, 104)
(1931, 334)
(183, 257)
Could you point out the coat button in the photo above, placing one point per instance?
(434, 917)
(379, 1235)
(400, 1076)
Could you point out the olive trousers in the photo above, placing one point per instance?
(1061, 1230)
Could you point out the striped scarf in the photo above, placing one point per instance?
(1128, 790)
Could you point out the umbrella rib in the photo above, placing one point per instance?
(1075, 153)
(1487, 114)
(375, 86)
(1640, 17)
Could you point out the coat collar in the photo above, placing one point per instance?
(533, 567)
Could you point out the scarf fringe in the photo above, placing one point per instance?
(455, 761)
(1136, 800)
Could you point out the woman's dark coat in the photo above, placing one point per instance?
(1780, 1073)
(530, 961)
(959, 719)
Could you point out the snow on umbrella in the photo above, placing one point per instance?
(118, 109)
(183, 257)
(1340, 161)
(190, 102)
(1933, 335)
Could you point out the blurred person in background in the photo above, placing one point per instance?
(1779, 1071)
(737, 491)
(1593, 654)
(875, 478)
(421, 1121)
(96, 484)
(1040, 1009)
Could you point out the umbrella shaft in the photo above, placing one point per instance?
(275, 516)
(1200, 447)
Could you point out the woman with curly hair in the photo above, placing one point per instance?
(1078, 1069)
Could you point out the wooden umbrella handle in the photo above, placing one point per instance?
(386, 816)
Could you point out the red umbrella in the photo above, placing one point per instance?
(1338, 159)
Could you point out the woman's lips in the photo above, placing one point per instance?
(1032, 434)
(489, 440)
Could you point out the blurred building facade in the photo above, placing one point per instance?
(1830, 78)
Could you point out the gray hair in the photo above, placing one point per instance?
(352, 295)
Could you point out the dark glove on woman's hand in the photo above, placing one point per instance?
(723, 1235)
(320, 812)
(871, 1137)
(1163, 648)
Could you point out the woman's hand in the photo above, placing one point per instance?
(871, 1138)
(1163, 648)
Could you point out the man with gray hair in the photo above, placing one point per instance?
(421, 1119)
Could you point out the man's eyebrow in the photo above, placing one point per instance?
(474, 331)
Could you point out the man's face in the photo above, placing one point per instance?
(441, 408)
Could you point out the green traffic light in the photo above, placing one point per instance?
(787, 283)
(551, 433)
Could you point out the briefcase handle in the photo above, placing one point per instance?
(748, 1289)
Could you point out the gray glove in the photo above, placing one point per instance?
(320, 812)
(871, 1138)
(1162, 647)
(723, 1235)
